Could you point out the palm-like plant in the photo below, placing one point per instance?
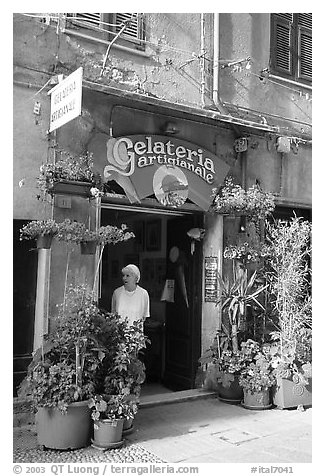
(235, 295)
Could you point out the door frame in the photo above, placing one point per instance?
(197, 300)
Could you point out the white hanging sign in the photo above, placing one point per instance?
(66, 100)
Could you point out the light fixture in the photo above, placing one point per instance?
(170, 128)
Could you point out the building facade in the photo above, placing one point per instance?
(184, 98)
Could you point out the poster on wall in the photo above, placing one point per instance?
(211, 279)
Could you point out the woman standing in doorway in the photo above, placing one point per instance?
(131, 300)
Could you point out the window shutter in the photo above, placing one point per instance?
(282, 46)
(90, 19)
(305, 46)
(134, 29)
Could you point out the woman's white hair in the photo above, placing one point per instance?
(132, 268)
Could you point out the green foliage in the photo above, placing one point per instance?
(288, 275)
(37, 228)
(62, 371)
(235, 295)
(112, 407)
(66, 167)
(258, 375)
(89, 353)
(233, 199)
(229, 363)
(76, 232)
(246, 252)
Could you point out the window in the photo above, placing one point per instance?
(107, 25)
(291, 45)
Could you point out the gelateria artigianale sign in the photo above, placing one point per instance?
(171, 169)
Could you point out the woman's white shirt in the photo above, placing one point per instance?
(131, 304)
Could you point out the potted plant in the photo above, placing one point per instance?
(293, 372)
(41, 230)
(257, 379)
(225, 368)
(76, 232)
(122, 372)
(69, 174)
(61, 376)
(235, 295)
(287, 271)
(109, 413)
(232, 199)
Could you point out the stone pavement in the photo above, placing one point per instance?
(194, 431)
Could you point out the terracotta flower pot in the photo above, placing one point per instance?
(64, 431)
(128, 426)
(232, 394)
(108, 433)
(257, 400)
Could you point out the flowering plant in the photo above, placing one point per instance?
(111, 407)
(69, 168)
(37, 228)
(246, 252)
(113, 234)
(232, 198)
(228, 362)
(76, 232)
(258, 375)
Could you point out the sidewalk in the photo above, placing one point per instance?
(194, 431)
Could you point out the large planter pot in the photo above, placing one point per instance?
(88, 247)
(291, 393)
(64, 431)
(257, 401)
(44, 241)
(230, 394)
(108, 433)
(128, 426)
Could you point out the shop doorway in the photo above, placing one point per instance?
(162, 250)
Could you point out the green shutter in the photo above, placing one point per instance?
(91, 19)
(304, 54)
(133, 30)
(282, 43)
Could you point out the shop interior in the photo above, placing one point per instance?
(148, 251)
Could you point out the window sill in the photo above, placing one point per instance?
(290, 81)
(133, 51)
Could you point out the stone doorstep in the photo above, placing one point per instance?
(23, 415)
(174, 397)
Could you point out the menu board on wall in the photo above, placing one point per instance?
(211, 279)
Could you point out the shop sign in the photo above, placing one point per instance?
(170, 168)
(211, 279)
(66, 100)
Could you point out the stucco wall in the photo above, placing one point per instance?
(30, 150)
(245, 35)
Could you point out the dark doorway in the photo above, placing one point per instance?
(174, 330)
(183, 316)
(24, 293)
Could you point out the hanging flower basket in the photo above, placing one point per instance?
(88, 247)
(44, 241)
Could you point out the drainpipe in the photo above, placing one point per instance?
(202, 55)
(216, 59)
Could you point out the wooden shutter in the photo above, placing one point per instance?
(305, 46)
(282, 43)
(91, 19)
